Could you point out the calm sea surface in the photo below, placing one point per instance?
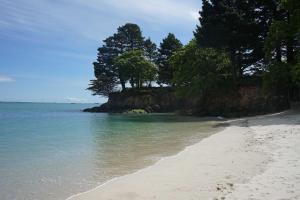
(52, 151)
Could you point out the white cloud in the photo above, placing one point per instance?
(195, 15)
(92, 19)
(6, 79)
(156, 10)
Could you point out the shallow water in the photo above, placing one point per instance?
(52, 151)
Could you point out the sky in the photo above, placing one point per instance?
(47, 47)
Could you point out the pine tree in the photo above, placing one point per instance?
(150, 50)
(284, 32)
(239, 27)
(168, 47)
(108, 75)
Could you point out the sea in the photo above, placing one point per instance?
(51, 151)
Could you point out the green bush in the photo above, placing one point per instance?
(277, 80)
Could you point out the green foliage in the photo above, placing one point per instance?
(200, 70)
(277, 33)
(277, 79)
(284, 32)
(239, 27)
(293, 9)
(134, 67)
(235, 43)
(296, 72)
(129, 37)
(102, 86)
(150, 50)
(282, 43)
(167, 48)
(108, 75)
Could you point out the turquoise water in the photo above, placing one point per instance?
(52, 151)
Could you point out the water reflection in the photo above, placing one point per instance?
(51, 151)
(126, 143)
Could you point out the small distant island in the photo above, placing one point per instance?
(243, 60)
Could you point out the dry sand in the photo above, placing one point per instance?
(253, 158)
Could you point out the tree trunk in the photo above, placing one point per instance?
(290, 51)
(278, 53)
(123, 85)
(289, 45)
(234, 67)
(132, 82)
(240, 70)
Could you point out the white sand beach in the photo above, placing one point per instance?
(253, 158)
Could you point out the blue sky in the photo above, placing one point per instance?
(48, 46)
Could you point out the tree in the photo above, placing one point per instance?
(167, 48)
(282, 50)
(277, 79)
(135, 67)
(238, 27)
(129, 38)
(150, 50)
(284, 32)
(200, 70)
(296, 73)
(102, 86)
(108, 75)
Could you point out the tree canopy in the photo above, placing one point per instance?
(134, 67)
(168, 47)
(236, 41)
(239, 27)
(108, 75)
(199, 70)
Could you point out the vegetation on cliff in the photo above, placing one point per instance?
(237, 44)
(134, 67)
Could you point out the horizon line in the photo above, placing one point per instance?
(49, 102)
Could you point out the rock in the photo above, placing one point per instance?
(242, 102)
(136, 111)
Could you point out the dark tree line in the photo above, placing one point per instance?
(235, 40)
(260, 38)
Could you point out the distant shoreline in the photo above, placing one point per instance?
(45, 102)
(248, 159)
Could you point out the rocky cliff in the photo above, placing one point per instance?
(243, 102)
(149, 99)
(246, 101)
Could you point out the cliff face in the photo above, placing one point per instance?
(246, 101)
(152, 100)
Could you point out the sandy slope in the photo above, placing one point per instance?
(254, 158)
